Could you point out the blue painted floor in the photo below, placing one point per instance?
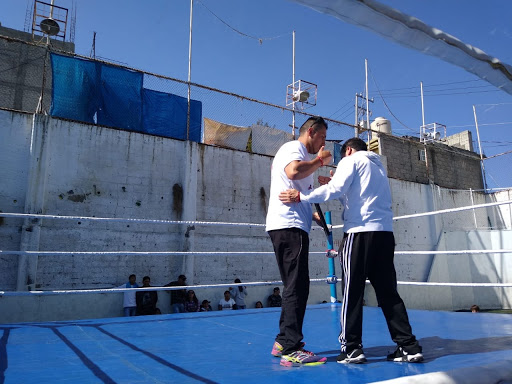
(234, 347)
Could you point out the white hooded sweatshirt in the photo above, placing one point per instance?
(361, 184)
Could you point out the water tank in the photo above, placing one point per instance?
(380, 124)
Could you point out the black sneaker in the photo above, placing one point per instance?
(354, 357)
(402, 355)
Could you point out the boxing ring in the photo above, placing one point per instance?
(234, 346)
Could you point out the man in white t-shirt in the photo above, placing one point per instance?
(227, 303)
(129, 304)
(288, 227)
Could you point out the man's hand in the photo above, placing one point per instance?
(316, 217)
(325, 179)
(326, 156)
(289, 196)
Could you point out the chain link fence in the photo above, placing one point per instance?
(227, 119)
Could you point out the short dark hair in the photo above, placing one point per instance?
(132, 275)
(146, 278)
(182, 277)
(276, 289)
(355, 143)
(313, 121)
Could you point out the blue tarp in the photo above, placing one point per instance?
(107, 95)
(75, 93)
(121, 96)
(165, 114)
(337, 153)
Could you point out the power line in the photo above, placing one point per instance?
(260, 39)
(387, 107)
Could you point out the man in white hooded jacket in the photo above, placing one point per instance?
(367, 250)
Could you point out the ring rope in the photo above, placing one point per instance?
(178, 253)
(124, 220)
(261, 283)
(465, 208)
(120, 219)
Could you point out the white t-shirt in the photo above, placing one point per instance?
(129, 296)
(226, 305)
(281, 215)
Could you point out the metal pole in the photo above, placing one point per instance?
(356, 123)
(189, 68)
(473, 203)
(422, 107)
(480, 148)
(332, 269)
(367, 101)
(293, 87)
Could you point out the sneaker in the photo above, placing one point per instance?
(402, 355)
(277, 349)
(299, 358)
(354, 357)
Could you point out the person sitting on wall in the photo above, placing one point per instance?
(179, 296)
(205, 306)
(227, 303)
(275, 300)
(192, 304)
(146, 300)
(129, 303)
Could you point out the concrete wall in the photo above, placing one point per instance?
(463, 140)
(80, 170)
(446, 166)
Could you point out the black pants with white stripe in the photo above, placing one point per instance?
(370, 255)
(291, 247)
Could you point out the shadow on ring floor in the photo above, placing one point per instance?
(234, 347)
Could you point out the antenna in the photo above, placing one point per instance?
(299, 91)
(28, 16)
(72, 25)
(50, 20)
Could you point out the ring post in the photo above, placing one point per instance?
(331, 279)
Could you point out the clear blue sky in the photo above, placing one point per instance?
(153, 35)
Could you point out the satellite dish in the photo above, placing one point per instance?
(50, 27)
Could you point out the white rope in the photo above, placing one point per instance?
(174, 253)
(433, 284)
(124, 220)
(463, 252)
(178, 253)
(259, 283)
(466, 208)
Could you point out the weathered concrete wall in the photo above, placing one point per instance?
(463, 140)
(79, 170)
(448, 167)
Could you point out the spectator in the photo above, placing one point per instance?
(227, 303)
(146, 300)
(275, 300)
(129, 303)
(179, 296)
(475, 308)
(238, 294)
(259, 304)
(205, 306)
(192, 304)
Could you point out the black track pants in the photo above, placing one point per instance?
(370, 255)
